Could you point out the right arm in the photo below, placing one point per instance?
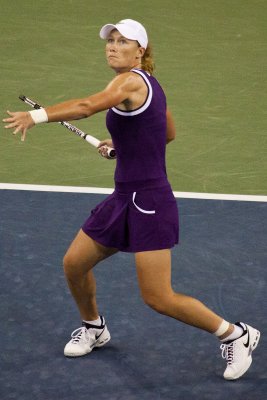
(117, 91)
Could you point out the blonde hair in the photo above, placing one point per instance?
(147, 60)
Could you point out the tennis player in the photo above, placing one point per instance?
(141, 215)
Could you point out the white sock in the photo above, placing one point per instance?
(237, 332)
(96, 322)
(223, 328)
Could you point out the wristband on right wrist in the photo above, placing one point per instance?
(39, 116)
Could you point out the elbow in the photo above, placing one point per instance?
(169, 140)
(170, 137)
(85, 109)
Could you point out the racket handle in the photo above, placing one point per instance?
(95, 142)
(92, 140)
(111, 152)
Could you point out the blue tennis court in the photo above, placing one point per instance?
(221, 260)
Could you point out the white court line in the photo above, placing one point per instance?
(51, 188)
(79, 189)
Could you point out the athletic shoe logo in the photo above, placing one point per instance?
(98, 336)
(247, 342)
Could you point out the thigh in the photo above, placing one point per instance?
(154, 272)
(84, 253)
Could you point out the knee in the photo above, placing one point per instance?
(70, 265)
(158, 303)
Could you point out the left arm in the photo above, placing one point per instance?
(171, 133)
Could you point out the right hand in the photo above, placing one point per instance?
(21, 121)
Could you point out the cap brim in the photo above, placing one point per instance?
(125, 31)
(105, 30)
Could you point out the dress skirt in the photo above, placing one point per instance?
(136, 217)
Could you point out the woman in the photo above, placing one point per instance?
(141, 215)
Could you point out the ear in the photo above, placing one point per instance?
(140, 52)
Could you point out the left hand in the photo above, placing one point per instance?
(103, 147)
(21, 121)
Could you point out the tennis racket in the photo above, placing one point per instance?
(89, 138)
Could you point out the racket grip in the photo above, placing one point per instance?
(92, 140)
(95, 142)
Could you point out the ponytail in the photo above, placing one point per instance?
(147, 61)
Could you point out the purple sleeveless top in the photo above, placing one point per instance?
(139, 136)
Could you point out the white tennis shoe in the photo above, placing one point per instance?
(83, 340)
(238, 352)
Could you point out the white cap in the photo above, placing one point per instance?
(129, 28)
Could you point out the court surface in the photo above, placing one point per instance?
(221, 260)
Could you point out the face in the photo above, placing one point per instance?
(123, 54)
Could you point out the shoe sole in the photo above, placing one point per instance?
(254, 344)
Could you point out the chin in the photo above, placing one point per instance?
(112, 63)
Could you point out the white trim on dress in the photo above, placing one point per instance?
(141, 209)
(144, 106)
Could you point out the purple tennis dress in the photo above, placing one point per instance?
(141, 214)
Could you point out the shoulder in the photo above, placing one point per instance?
(127, 81)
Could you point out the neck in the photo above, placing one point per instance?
(127, 69)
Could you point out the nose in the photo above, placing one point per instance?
(112, 47)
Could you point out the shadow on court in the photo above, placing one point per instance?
(221, 260)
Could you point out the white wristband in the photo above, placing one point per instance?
(39, 116)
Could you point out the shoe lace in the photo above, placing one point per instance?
(78, 334)
(228, 352)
